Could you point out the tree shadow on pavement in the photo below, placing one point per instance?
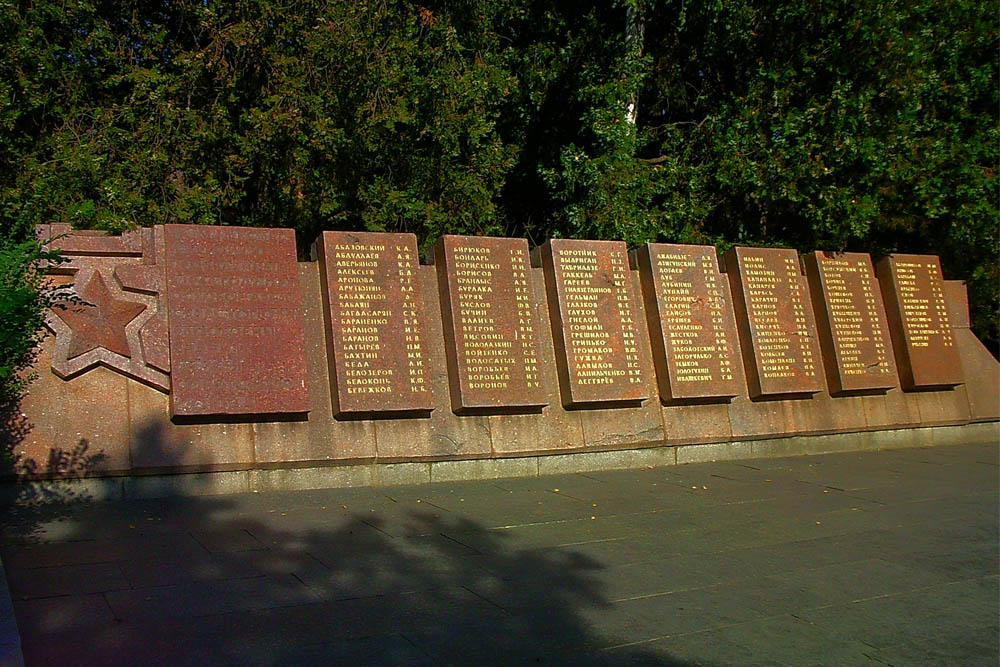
(298, 578)
(337, 576)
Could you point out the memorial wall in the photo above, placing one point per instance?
(197, 348)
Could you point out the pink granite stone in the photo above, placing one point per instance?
(234, 309)
(595, 322)
(490, 330)
(919, 322)
(770, 298)
(690, 319)
(375, 328)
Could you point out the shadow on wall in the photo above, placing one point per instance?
(74, 462)
(67, 477)
(340, 576)
(156, 448)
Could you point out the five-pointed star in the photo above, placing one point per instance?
(100, 321)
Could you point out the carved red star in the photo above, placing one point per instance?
(100, 322)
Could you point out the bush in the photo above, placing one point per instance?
(23, 300)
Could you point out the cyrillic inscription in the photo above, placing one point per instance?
(777, 334)
(594, 321)
(234, 310)
(854, 338)
(690, 321)
(489, 323)
(921, 330)
(376, 341)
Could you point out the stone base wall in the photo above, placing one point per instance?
(394, 474)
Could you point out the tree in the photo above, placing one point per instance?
(867, 126)
(365, 116)
(23, 300)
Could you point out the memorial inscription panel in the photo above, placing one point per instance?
(594, 321)
(690, 321)
(777, 335)
(374, 314)
(490, 325)
(853, 334)
(234, 310)
(919, 324)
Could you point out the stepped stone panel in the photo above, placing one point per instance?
(919, 323)
(778, 341)
(595, 322)
(690, 320)
(375, 329)
(89, 243)
(490, 328)
(234, 311)
(850, 318)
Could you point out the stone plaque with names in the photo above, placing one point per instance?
(919, 324)
(490, 324)
(595, 322)
(853, 335)
(234, 309)
(777, 333)
(374, 315)
(690, 320)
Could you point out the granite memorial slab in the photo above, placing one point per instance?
(854, 338)
(595, 323)
(73, 428)
(919, 324)
(490, 328)
(375, 331)
(777, 338)
(690, 319)
(234, 311)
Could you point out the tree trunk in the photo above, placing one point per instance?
(635, 31)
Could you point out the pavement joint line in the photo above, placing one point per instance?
(599, 541)
(596, 479)
(714, 628)
(377, 529)
(198, 542)
(660, 594)
(486, 599)
(474, 550)
(416, 645)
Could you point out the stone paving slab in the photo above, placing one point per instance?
(10, 638)
(882, 558)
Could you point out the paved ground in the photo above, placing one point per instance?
(873, 558)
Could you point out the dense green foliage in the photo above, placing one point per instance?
(23, 299)
(860, 126)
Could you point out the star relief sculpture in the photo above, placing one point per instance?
(98, 319)
(101, 327)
